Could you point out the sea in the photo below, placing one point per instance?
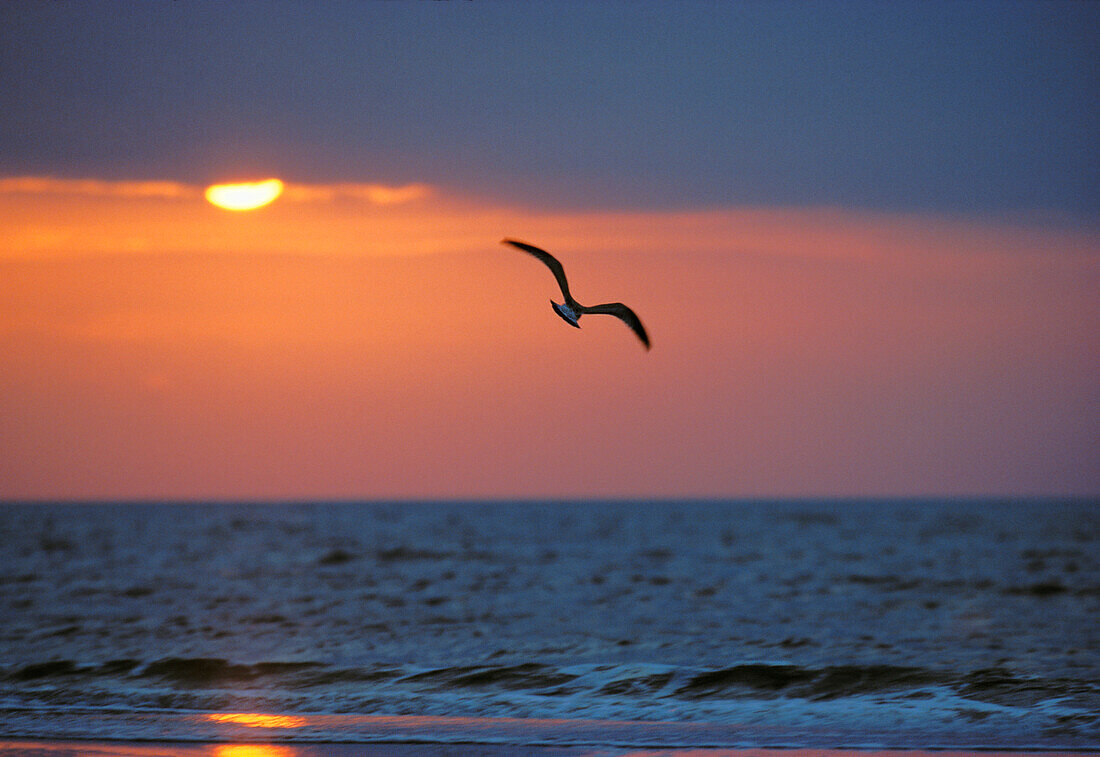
(886, 624)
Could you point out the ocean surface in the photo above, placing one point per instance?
(817, 624)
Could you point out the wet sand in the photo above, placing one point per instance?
(15, 748)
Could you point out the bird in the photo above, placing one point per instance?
(571, 310)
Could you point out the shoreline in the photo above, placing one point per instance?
(129, 748)
(144, 733)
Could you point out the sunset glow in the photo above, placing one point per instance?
(330, 348)
(246, 196)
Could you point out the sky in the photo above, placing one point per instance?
(864, 239)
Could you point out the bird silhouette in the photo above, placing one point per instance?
(571, 310)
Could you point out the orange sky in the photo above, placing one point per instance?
(358, 340)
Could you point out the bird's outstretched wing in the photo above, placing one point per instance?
(550, 261)
(625, 314)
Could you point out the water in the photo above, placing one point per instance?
(793, 623)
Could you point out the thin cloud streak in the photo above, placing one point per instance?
(43, 217)
(377, 194)
(48, 185)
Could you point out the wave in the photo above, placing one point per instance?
(744, 681)
(821, 683)
(984, 706)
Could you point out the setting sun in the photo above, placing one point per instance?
(245, 196)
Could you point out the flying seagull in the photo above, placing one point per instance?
(571, 310)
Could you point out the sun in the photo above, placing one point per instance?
(246, 196)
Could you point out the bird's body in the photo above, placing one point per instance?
(571, 310)
(567, 313)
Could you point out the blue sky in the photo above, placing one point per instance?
(971, 108)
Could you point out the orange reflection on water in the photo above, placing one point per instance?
(253, 750)
(124, 749)
(257, 720)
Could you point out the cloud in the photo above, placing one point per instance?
(46, 185)
(376, 194)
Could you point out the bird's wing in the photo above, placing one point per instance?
(550, 261)
(622, 312)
